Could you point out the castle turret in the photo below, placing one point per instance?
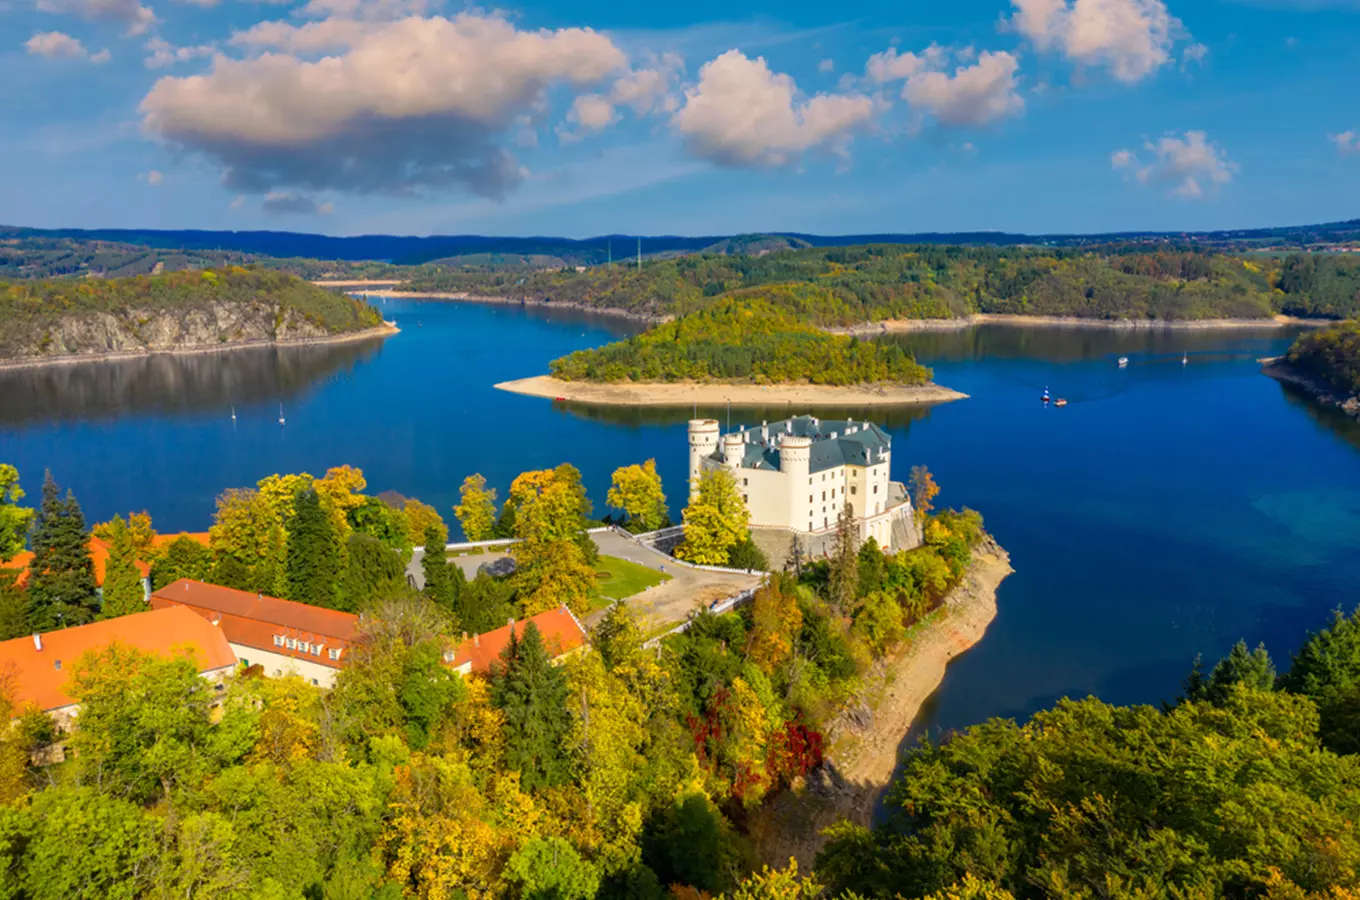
(795, 455)
(703, 441)
(734, 448)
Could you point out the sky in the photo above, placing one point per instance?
(707, 117)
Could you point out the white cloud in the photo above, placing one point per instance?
(742, 114)
(1194, 53)
(406, 105)
(152, 178)
(164, 54)
(101, 57)
(649, 89)
(1190, 166)
(892, 66)
(973, 95)
(369, 10)
(1347, 142)
(55, 45)
(589, 113)
(1132, 38)
(826, 65)
(130, 13)
(283, 203)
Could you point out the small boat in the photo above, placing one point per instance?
(1123, 362)
(1060, 402)
(1185, 359)
(281, 420)
(233, 413)
(1045, 397)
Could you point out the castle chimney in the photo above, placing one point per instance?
(37, 642)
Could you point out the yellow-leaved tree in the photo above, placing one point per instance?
(716, 520)
(550, 509)
(637, 491)
(476, 510)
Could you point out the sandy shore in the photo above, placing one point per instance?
(359, 282)
(381, 331)
(899, 326)
(864, 742)
(716, 394)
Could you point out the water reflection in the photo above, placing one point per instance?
(1077, 344)
(167, 383)
(639, 416)
(1327, 418)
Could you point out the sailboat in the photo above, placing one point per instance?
(1185, 359)
(1045, 397)
(233, 413)
(1123, 362)
(281, 420)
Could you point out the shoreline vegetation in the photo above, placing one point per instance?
(465, 297)
(686, 393)
(861, 758)
(1325, 365)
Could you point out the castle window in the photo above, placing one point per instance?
(809, 498)
(853, 490)
(823, 495)
(875, 489)
(745, 482)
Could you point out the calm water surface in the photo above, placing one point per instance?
(1168, 510)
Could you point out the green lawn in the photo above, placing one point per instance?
(618, 578)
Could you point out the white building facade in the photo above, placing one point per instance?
(796, 474)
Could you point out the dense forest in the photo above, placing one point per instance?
(1331, 354)
(204, 308)
(876, 282)
(761, 335)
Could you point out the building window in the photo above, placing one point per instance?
(809, 480)
(823, 495)
(335, 653)
(745, 482)
(316, 649)
(315, 682)
(875, 489)
(853, 489)
(292, 643)
(278, 640)
(809, 498)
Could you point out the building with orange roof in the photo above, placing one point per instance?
(280, 636)
(39, 667)
(562, 636)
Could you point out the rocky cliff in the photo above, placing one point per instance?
(191, 311)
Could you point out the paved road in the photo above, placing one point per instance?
(667, 603)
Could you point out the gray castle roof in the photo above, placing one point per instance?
(835, 443)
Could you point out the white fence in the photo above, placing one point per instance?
(717, 608)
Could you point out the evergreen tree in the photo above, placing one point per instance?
(1327, 670)
(746, 554)
(872, 567)
(13, 606)
(484, 603)
(845, 561)
(439, 584)
(793, 562)
(314, 558)
(61, 588)
(617, 638)
(374, 571)
(532, 695)
(229, 571)
(183, 557)
(123, 591)
(14, 519)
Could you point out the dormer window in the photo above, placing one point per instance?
(278, 640)
(335, 653)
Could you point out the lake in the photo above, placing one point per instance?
(1168, 510)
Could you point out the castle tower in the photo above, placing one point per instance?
(703, 441)
(734, 448)
(795, 456)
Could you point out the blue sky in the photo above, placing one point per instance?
(416, 117)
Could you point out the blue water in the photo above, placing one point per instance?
(1166, 511)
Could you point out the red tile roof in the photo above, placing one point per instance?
(40, 676)
(561, 631)
(99, 555)
(254, 620)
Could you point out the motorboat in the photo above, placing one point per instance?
(1045, 397)
(1123, 362)
(1060, 402)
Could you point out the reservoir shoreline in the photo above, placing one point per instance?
(387, 329)
(906, 326)
(862, 758)
(465, 297)
(718, 393)
(1320, 391)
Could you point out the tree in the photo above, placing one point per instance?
(139, 527)
(777, 884)
(637, 491)
(88, 845)
(617, 638)
(924, 490)
(374, 571)
(61, 588)
(13, 607)
(715, 521)
(476, 510)
(14, 519)
(552, 565)
(1327, 670)
(549, 868)
(419, 517)
(434, 564)
(144, 722)
(341, 493)
(872, 567)
(375, 518)
(845, 561)
(123, 592)
(1251, 668)
(746, 554)
(183, 557)
(532, 695)
(314, 558)
(1092, 800)
(484, 603)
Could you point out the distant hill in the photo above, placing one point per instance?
(452, 249)
(756, 244)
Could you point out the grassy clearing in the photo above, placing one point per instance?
(618, 578)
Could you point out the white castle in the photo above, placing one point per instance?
(796, 475)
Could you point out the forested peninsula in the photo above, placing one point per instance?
(1325, 364)
(847, 286)
(211, 309)
(747, 348)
